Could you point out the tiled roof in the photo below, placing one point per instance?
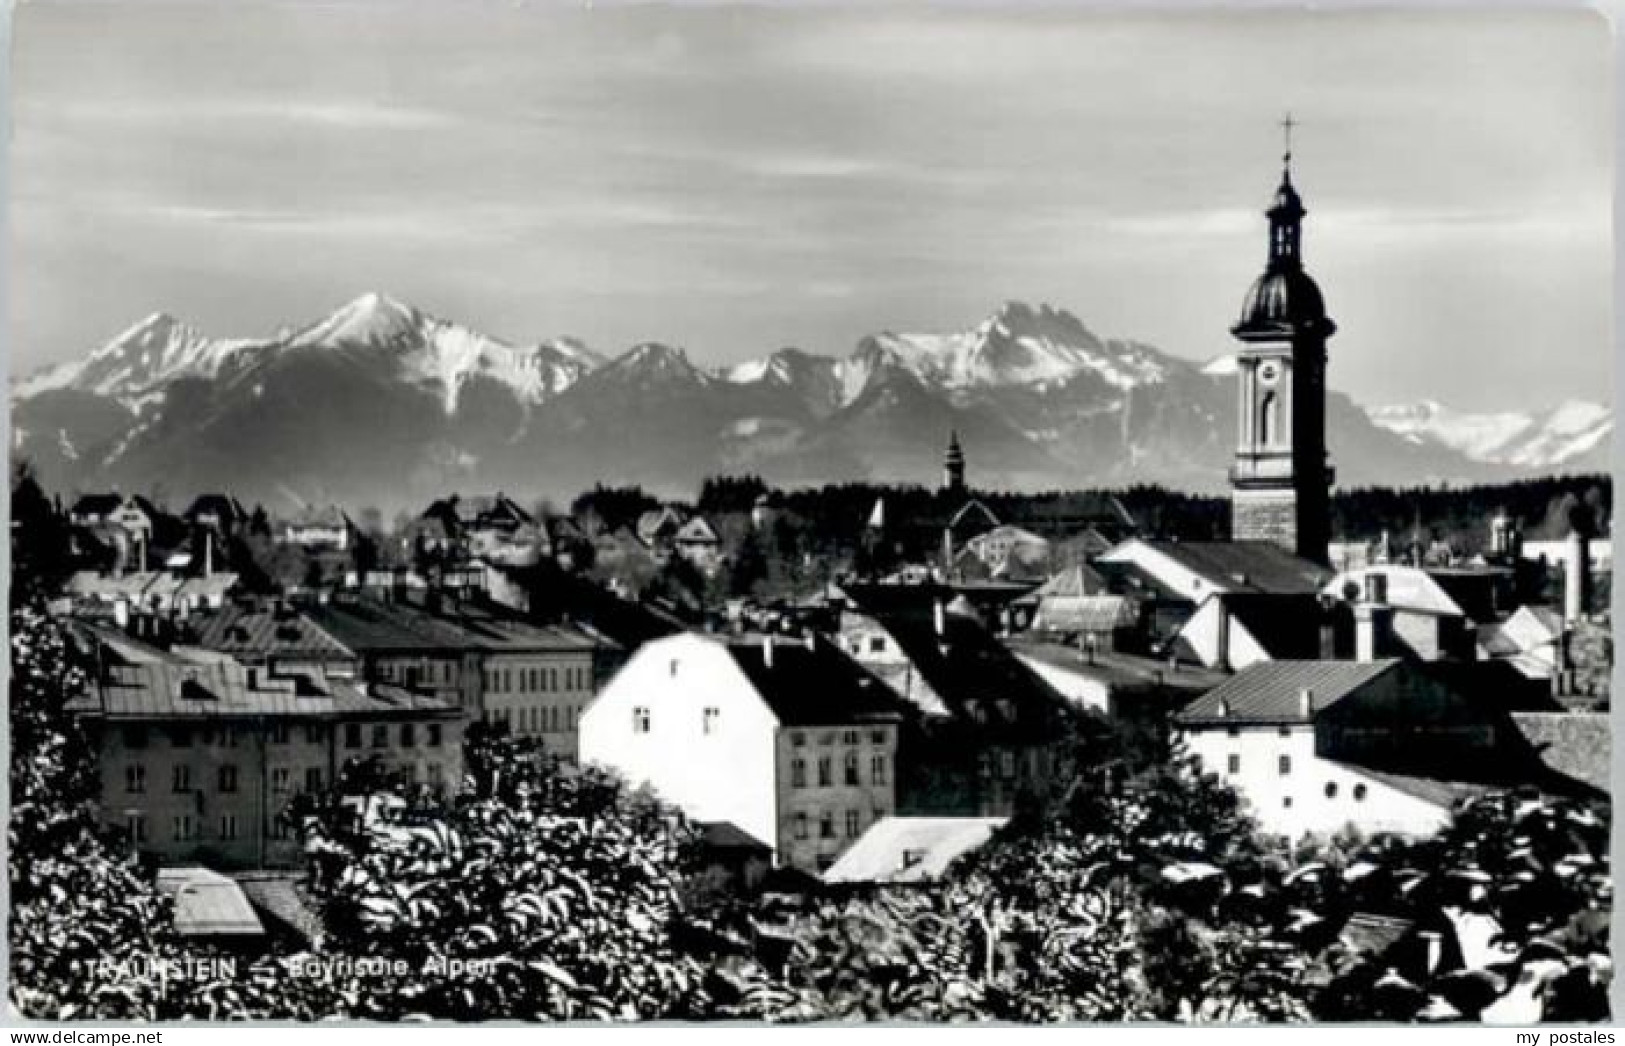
(1084, 613)
(725, 835)
(142, 682)
(1271, 691)
(266, 630)
(1246, 566)
(816, 687)
(911, 849)
(1120, 669)
(1578, 745)
(1078, 580)
(208, 904)
(966, 668)
(369, 625)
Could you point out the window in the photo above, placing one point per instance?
(409, 735)
(279, 733)
(1233, 731)
(281, 779)
(507, 679)
(798, 739)
(313, 779)
(877, 737)
(877, 769)
(352, 735)
(1359, 793)
(801, 826)
(228, 778)
(1285, 765)
(183, 827)
(1233, 765)
(877, 644)
(231, 737)
(710, 718)
(826, 825)
(135, 778)
(798, 773)
(228, 826)
(640, 720)
(315, 733)
(1284, 731)
(1331, 789)
(825, 776)
(827, 737)
(852, 818)
(1286, 802)
(851, 768)
(180, 737)
(182, 779)
(276, 827)
(380, 735)
(434, 735)
(436, 776)
(136, 825)
(135, 736)
(849, 737)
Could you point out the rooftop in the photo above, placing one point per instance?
(208, 904)
(263, 629)
(1272, 692)
(911, 849)
(1244, 566)
(815, 687)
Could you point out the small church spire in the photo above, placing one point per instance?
(953, 464)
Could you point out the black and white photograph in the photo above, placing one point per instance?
(916, 512)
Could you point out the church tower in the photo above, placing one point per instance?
(1281, 480)
(953, 466)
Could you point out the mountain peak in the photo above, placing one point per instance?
(371, 319)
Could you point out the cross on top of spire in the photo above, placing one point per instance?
(1287, 123)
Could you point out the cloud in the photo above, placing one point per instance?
(335, 114)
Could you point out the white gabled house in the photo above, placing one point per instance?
(1316, 747)
(789, 740)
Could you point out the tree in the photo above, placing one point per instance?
(540, 894)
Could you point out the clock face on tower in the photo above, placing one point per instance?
(1269, 373)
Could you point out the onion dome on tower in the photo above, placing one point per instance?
(1284, 301)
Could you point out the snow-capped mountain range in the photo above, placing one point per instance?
(1572, 434)
(380, 403)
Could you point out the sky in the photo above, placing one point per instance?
(736, 179)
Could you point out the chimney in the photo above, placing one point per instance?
(1576, 577)
(1221, 655)
(121, 613)
(767, 650)
(1375, 588)
(939, 618)
(208, 553)
(1224, 708)
(1373, 622)
(1306, 703)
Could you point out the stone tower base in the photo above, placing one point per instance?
(1265, 515)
